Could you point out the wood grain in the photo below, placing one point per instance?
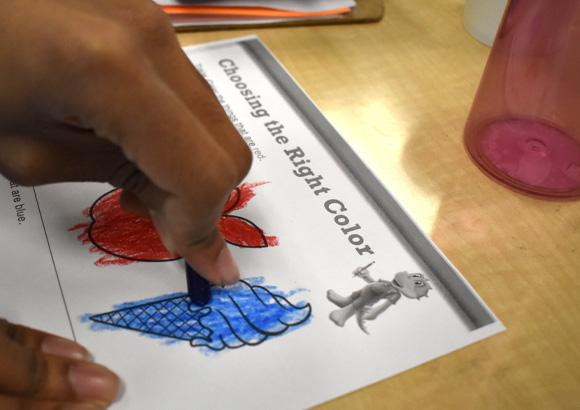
(400, 91)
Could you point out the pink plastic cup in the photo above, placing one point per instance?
(524, 126)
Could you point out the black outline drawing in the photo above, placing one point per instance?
(361, 303)
(176, 318)
(94, 242)
(225, 216)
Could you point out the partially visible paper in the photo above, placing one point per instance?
(339, 289)
(236, 12)
(311, 6)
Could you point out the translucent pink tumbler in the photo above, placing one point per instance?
(524, 126)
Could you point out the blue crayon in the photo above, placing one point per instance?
(198, 288)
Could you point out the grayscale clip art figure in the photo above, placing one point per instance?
(362, 302)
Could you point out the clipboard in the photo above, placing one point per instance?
(366, 11)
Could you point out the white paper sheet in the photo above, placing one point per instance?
(317, 214)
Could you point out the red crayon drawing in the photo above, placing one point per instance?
(124, 238)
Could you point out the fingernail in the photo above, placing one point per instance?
(93, 381)
(227, 267)
(59, 346)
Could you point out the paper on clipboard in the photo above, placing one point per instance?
(312, 6)
(235, 12)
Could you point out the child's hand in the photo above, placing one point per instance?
(101, 91)
(42, 371)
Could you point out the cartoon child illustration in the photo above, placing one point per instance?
(361, 303)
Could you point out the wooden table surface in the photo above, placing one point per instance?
(400, 91)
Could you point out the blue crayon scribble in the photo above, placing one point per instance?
(244, 314)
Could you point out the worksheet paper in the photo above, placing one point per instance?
(339, 289)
